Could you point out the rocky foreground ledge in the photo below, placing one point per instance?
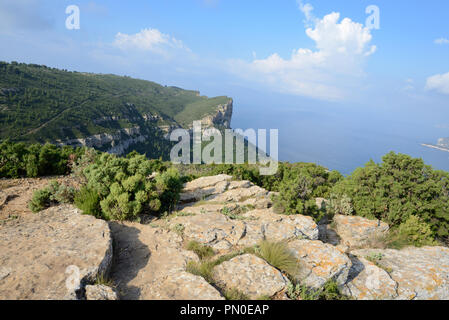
(150, 260)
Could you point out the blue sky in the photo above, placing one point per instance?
(263, 50)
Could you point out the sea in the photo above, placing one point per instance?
(344, 139)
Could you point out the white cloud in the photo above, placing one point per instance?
(306, 8)
(441, 41)
(151, 40)
(329, 72)
(439, 83)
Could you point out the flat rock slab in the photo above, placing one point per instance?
(367, 281)
(251, 275)
(36, 251)
(215, 229)
(420, 273)
(320, 262)
(184, 286)
(358, 232)
(150, 264)
(203, 187)
(265, 224)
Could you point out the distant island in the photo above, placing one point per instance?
(442, 144)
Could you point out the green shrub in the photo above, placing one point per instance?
(33, 160)
(300, 184)
(412, 232)
(53, 193)
(329, 291)
(88, 201)
(395, 190)
(340, 205)
(127, 188)
(63, 194)
(40, 200)
(169, 186)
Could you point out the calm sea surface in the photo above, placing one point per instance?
(344, 140)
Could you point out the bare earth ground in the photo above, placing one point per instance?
(16, 193)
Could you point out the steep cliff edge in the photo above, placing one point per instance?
(108, 112)
(221, 118)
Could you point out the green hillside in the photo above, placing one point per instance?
(41, 104)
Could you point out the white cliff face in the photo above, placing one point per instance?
(120, 141)
(222, 117)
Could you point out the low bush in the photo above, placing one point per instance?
(300, 184)
(34, 160)
(61, 193)
(127, 187)
(412, 232)
(340, 205)
(403, 192)
(52, 194)
(329, 291)
(40, 200)
(88, 201)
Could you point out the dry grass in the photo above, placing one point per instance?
(202, 251)
(279, 256)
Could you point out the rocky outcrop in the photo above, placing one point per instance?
(201, 188)
(418, 273)
(222, 213)
(368, 281)
(59, 253)
(221, 118)
(320, 262)
(250, 275)
(100, 292)
(359, 232)
(150, 264)
(53, 254)
(116, 142)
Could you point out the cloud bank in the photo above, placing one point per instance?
(148, 40)
(342, 47)
(441, 41)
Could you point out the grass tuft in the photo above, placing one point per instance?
(202, 251)
(279, 256)
(235, 294)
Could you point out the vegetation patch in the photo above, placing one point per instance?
(202, 251)
(279, 256)
(402, 191)
(235, 294)
(54, 193)
(329, 291)
(376, 259)
(19, 160)
(126, 187)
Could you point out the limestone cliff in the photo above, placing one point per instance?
(221, 118)
(120, 141)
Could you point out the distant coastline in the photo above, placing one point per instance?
(435, 147)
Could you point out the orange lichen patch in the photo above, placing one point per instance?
(319, 262)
